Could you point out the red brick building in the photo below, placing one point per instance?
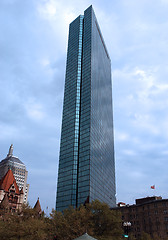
(148, 215)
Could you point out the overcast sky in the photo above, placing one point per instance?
(33, 45)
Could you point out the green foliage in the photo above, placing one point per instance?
(96, 219)
(131, 237)
(145, 236)
(22, 225)
(71, 224)
(106, 222)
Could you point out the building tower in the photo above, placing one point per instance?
(86, 162)
(19, 171)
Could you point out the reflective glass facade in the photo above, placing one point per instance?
(86, 164)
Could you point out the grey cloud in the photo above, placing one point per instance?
(32, 67)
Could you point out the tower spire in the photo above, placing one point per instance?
(10, 151)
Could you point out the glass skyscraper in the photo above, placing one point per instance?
(86, 163)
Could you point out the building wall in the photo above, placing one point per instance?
(19, 171)
(2, 194)
(150, 217)
(3, 168)
(85, 113)
(96, 152)
(26, 192)
(86, 164)
(102, 164)
(68, 160)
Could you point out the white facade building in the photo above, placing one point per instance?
(19, 171)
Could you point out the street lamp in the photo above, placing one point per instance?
(127, 226)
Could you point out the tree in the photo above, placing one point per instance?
(131, 237)
(96, 219)
(107, 223)
(22, 225)
(145, 236)
(71, 223)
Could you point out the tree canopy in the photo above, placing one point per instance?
(96, 219)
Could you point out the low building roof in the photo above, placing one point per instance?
(85, 237)
(7, 181)
(37, 206)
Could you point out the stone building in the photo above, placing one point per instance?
(148, 215)
(19, 171)
(11, 198)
